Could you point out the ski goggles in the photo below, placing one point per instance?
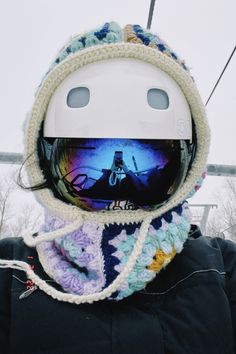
(117, 174)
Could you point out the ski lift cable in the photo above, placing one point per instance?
(222, 73)
(151, 9)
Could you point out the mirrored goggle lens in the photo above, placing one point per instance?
(118, 174)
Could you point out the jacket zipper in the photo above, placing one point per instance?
(28, 292)
(31, 287)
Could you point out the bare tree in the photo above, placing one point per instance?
(215, 227)
(29, 219)
(17, 213)
(224, 219)
(6, 188)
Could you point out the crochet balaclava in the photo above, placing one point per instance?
(96, 253)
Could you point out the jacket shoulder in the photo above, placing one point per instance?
(228, 249)
(8, 246)
(223, 245)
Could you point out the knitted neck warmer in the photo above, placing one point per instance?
(89, 259)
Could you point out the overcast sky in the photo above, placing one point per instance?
(202, 32)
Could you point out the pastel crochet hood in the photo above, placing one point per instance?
(104, 43)
(104, 254)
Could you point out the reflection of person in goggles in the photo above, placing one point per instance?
(121, 183)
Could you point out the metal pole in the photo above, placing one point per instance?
(221, 170)
(11, 158)
(206, 211)
(151, 9)
(203, 223)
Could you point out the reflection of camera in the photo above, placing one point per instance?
(118, 158)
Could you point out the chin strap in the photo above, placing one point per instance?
(72, 298)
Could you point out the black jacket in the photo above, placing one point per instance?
(189, 308)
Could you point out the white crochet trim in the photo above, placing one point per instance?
(49, 236)
(78, 299)
(104, 52)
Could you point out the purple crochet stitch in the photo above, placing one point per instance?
(72, 259)
(89, 259)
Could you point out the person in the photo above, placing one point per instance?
(121, 183)
(98, 280)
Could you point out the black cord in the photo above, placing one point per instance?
(221, 75)
(228, 228)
